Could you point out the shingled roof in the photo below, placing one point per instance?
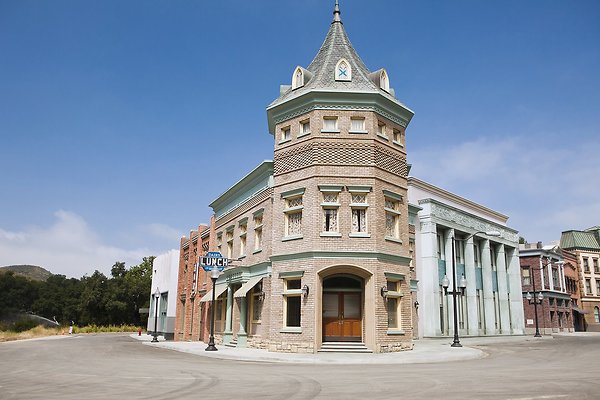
(336, 46)
(583, 240)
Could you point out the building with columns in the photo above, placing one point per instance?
(492, 303)
(586, 246)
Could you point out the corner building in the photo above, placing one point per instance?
(321, 232)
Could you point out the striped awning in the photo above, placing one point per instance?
(219, 291)
(241, 292)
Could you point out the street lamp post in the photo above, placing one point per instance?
(535, 300)
(214, 275)
(155, 335)
(462, 284)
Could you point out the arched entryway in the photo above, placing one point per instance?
(342, 308)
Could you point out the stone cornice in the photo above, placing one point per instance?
(428, 187)
(461, 218)
(396, 259)
(347, 101)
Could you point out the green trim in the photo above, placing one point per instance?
(291, 274)
(394, 276)
(258, 212)
(395, 259)
(392, 195)
(331, 188)
(413, 285)
(359, 189)
(336, 101)
(243, 221)
(293, 193)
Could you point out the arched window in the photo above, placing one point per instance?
(298, 78)
(343, 71)
(597, 314)
(384, 82)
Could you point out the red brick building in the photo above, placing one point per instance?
(543, 273)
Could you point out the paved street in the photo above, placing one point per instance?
(119, 367)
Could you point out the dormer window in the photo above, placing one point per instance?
(298, 78)
(343, 71)
(384, 82)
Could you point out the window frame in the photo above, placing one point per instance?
(354, 206)
(288, 293)
(336, 129)
(290, 210)
(394, 296)
(303, 123)
(394, 213)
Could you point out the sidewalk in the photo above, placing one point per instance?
(432, 350)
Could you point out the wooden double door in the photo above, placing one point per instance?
(342, 316)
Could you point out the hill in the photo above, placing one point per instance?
(32, 272)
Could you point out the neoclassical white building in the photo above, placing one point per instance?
(492, 302)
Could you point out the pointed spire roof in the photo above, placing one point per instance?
(335, 47)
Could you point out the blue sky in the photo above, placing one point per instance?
(120, 121)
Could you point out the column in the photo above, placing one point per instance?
(563, 284)
(228, 334)
(242, 335)
(488, 295)
(503, 291)
(550, 276)
(542, 284)
(449, 262)
(516, 292)
(427, 273)
(471, 291)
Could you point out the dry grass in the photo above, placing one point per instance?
(40, 331)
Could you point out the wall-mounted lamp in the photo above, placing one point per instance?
(384, 292)
(261, 296)
(305, 290)
(416, 305)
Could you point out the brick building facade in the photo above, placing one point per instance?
(319, 237)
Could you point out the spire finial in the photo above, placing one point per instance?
(336, 12)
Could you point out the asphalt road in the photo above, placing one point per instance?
(119, 367)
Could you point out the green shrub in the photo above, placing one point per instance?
(23, 325)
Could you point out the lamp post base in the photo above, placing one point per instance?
(154, 339)
(537, 334)
(456, 344)
(211, 347)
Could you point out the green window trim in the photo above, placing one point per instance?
(331, 188)
(393, 276)
(293, 193)
(392, 195)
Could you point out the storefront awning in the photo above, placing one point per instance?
(241, 292)
(580, 311)
(219, 291)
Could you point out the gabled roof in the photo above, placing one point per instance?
(579, 240)
(336, 46)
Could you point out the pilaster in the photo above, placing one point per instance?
(472, 317)
(228, 333)
(515, 294)
(429, 298)
(488, 295)
(503, 291)
(242, 336)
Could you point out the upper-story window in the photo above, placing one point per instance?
(381, 130)
(526, 273)
(298, 78)
(595, 263)
(384, 82)
(597, 287)
(220, 242)
(586, 265)
(397, 137)
(229, 235)
(555, 279)
(392, 215)
(597, 314)
(258, 225)
(330, 124)
(358, 207)
(286, 134)
(357, 125)
(588, 286)
(304, 127)
(343, 71)
(293, 213)
(330, 206)
(243, 230)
